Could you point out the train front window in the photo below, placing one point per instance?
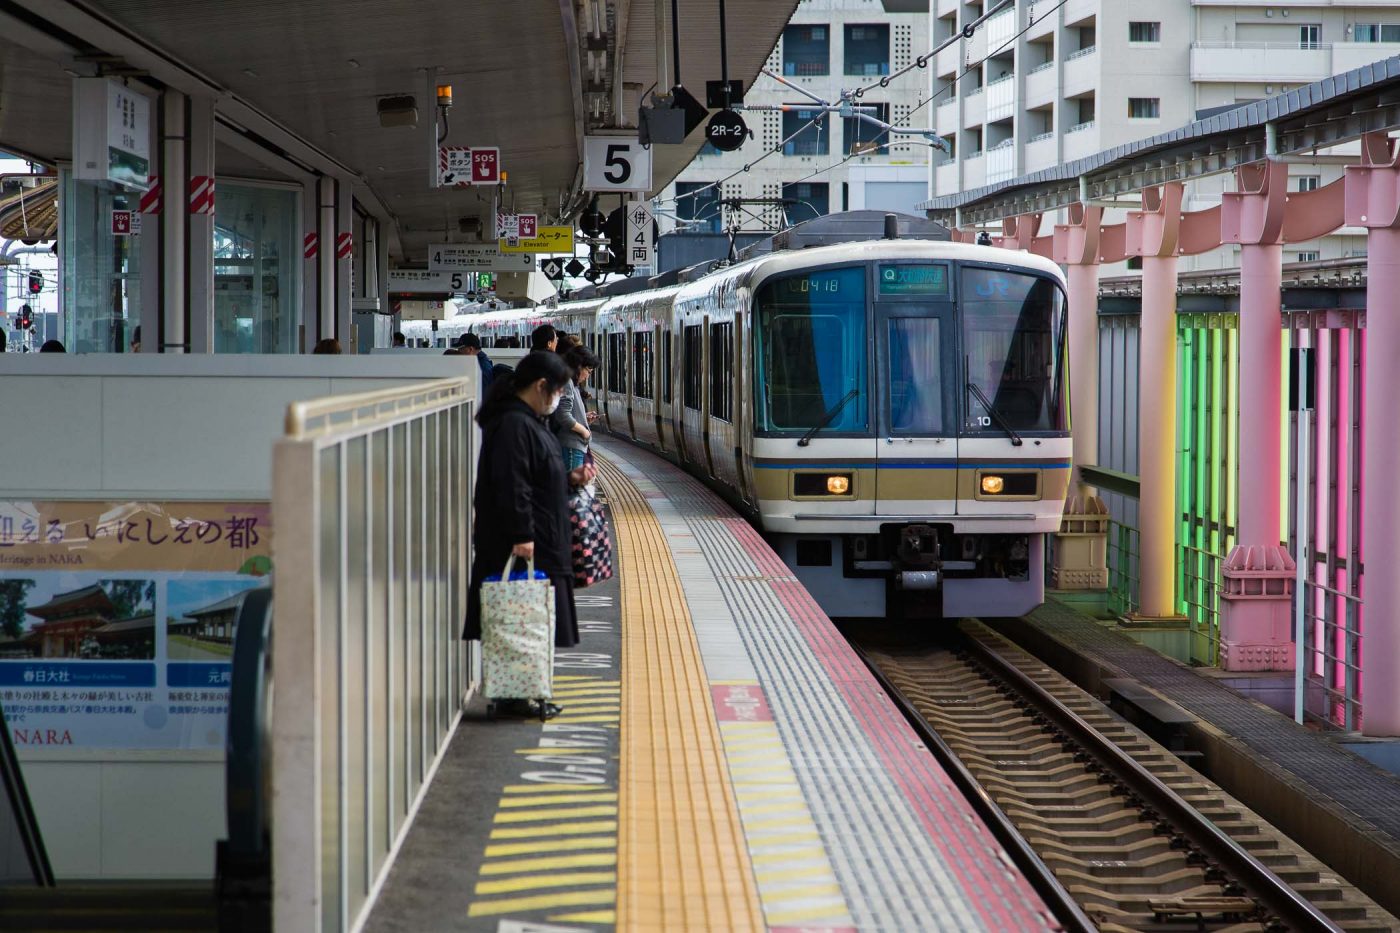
(1013, 339)
(812, 350)
(916, 376)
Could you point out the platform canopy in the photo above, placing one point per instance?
(305, 78)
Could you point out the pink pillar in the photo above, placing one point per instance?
(1256, 612)
(1076, 247)
(1373, 201)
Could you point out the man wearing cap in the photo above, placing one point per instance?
(470, 344)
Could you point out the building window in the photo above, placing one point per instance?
(1144, 108)
(666, 374)
(722, 371)
(870, 139)
(1376, 32)
(1135, 263)
(806, 51)
(1310, 36)
(868, 50)
(697, 203)
(641, 365)
(1309, 182)
(806, 200)
(1144, 32)
(812, 138)
(1309, 255)
(694, 346)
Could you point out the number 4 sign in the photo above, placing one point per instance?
(616, 163)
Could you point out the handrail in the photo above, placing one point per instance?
(399, 401)
(1082, 53)
(12, 779)
(244, 868)
(1125, 484)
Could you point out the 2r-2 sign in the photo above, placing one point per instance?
(616, 163)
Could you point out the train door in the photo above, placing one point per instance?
(916, 362)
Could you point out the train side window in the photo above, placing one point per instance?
(694, 346)
(666, 363)
(641, 365)
(722, 371)
(617, 348)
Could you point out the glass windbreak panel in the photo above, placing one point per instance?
(257, 259)
(101, 270)
(1013, 336)
(813, 348)
(916, 376)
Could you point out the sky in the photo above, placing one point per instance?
(186, 595)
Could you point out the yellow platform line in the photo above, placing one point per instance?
(556, 813)
(523, 789)
(551, 845)
(565, 829)
(586, 916)
(682, 859)
(541, 799)
(563, 879)
(550, 863)
(555, 899)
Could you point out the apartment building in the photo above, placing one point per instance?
(829, 45)
(1099, 73)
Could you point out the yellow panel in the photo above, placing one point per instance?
(917, 484)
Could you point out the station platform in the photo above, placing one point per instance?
(1335, 803)
(724, 761)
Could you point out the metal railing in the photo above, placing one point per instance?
(1198, 587)
(1123, 551)
(1082, 53)
(1331, 651)
(23, 858)
(1089, 125)
(370, 494)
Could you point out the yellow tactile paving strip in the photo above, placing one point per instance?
(683, 863)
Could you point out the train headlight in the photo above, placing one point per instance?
(993, 485)
(838, 485)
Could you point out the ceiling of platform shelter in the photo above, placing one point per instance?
(518, 68)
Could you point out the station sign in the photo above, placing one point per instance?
(467, 257)
(426, 282)
(641, 245)
(616, 163)
(112, 130)
(463, 166)
(546, 240)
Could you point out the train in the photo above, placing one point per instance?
(892, 413)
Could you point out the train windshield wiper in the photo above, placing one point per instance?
(995, 415)
(826, 418)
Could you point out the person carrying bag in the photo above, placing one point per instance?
(522, 504)
(593, 561)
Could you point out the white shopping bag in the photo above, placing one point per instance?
(517, 636)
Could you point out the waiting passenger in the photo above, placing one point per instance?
(52, 346)
(328, 346)
(572, 423)
(400, 340)
(470, 345)
(567, 342)
(522, 498)
(544, 337)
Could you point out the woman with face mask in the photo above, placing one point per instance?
(522, 495)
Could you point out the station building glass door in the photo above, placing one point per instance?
(257, 268)
(101, 269)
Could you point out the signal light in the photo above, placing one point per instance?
(25, 319)
(36, 282)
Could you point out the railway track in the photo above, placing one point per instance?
(1117, 832)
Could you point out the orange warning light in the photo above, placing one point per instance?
(505, 176)
(444, 95)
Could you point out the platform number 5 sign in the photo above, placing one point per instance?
(616, 163)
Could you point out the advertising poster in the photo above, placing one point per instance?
(117, 620)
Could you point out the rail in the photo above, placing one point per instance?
(370, 495)
(1061, 903)
(1262, 884)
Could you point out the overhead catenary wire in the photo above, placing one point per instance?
(962, 34)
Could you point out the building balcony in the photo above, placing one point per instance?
(1042, 85)
(1081, 140)
(1041, 152)
(945, 178)
(946, 120)
(1082, 72)
(974, 171)
(975, 108)
(1001, 162)
(1001, 99)
(949, 61)
(1260, 62)
(1077, 11)
(947, 7)
(1001, 28)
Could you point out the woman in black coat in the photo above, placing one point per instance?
(522, 494)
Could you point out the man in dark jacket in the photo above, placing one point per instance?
(470, 344)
